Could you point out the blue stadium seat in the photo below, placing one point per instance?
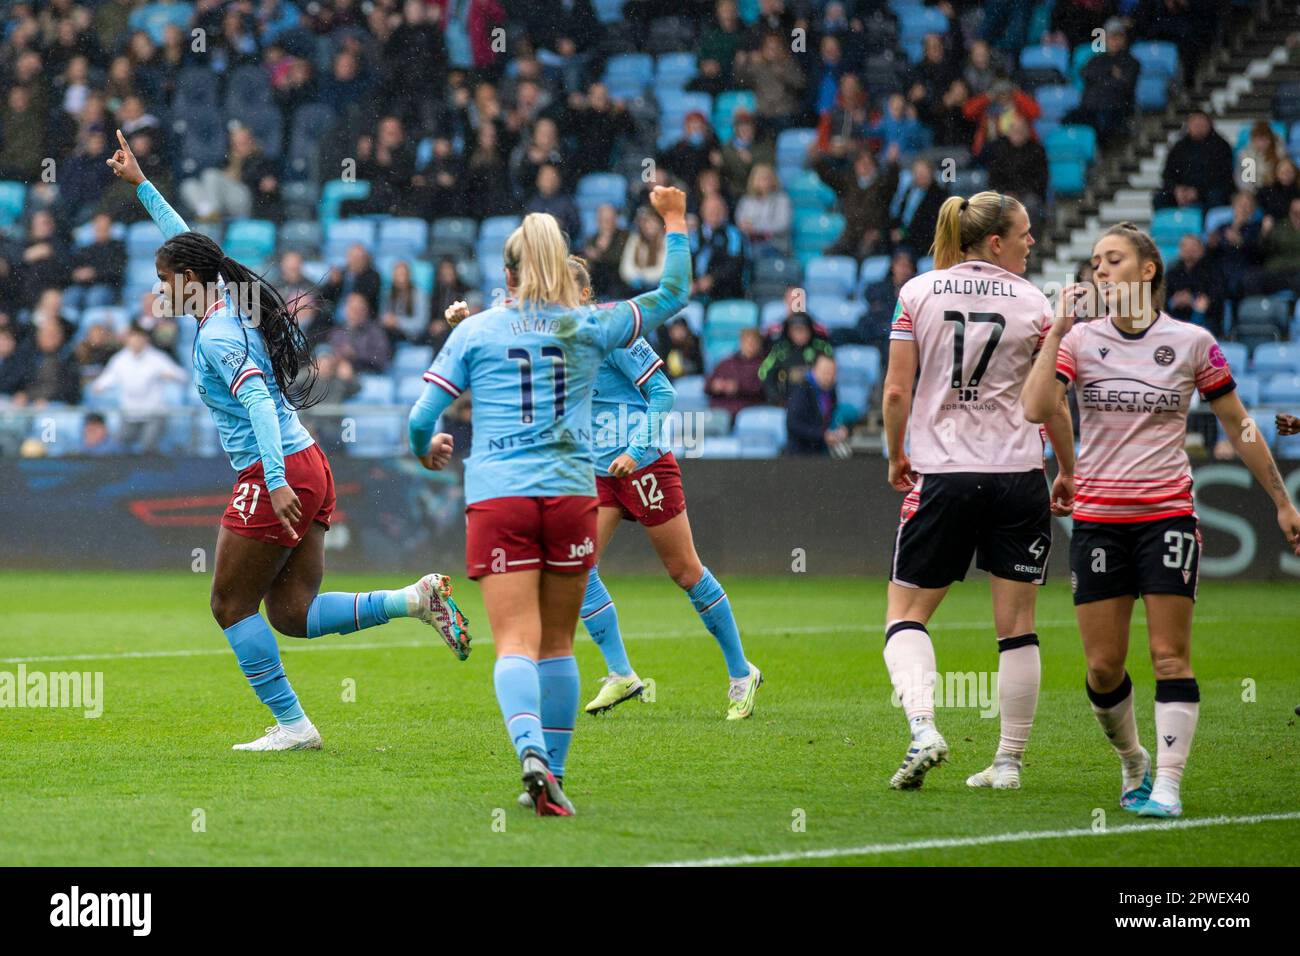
(970, 181)
(1071, 142)
(1261, 310)
(1157, 57)
(143, 239)
(724, 446)
(1216, 217)
(454, 230)
(874, 269)
(730, 315)
(675, 70)
(831, 275)
(853, 394)
(924, 264)
(597, 189)
(858, 364)
(1277, 358)
(1079, 59)
(1056, 101)
(1170, 225)
(334, 192)
(378, 435)
(773, 275)
(412, 359)
(13, 195)
(813, 232)
(311, 122)
(807, 192)
(694, 316)
(916, 21)
(1152, 92)
(1238, 356)
(115, 316)
(404, 236)
(725, 107)
(718, 344)
(760, 422)
(629, 74)
(498, 228)
(1045, 58)
(409, 389)
(1281, 389)
(264, 121)
(690, 394)
(608, 11)
(196, 89)
(301, 235)
(375, 390)
(342, 234)
(249, 240)
(84, 235)
(834, 312)
(792, 146)
(1286, 447)
(772, 313)
(1067, 177)
(1248, 389)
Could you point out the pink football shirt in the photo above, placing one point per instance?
(1134, 392)
(977, 328)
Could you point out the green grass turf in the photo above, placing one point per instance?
(414, 771)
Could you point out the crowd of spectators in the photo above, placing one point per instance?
(479, 108)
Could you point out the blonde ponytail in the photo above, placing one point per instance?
(965, 223)
(537, 256)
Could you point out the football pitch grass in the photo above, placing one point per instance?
(416, 768)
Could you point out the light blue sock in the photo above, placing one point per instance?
(710, 602)
(336, 612)
(600, 617)
(254, 645)
(558, 677)
(519, 694)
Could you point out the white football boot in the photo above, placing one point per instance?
(280, 737)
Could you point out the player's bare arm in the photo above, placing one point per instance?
(898, 409)
(1255, 454)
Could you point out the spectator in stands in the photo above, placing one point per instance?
(487, 176)
(598, 125)
(694, 151)
(981, 70)
(1073, 21)
(947, 119)
(336, 381)
(1194, 286)
(900, 127)
(1234, 246)
(1189, 25)
(246, 186)
(96, 347)
(743, 152)
(448, 287)
(84, 176)
(764, 214)
(1259, 158)
(44, 259)
(1006, 24)
(386, 160)
(994, 112)
(1017, 165)
(848, 120)
(708, 183)
(98, 269)
(550, 199)
(405, 306)
(541, 149)
(1280, 249)
(777, 81)
(679, 347)
(139, 373)
(15, 363)
(604, 252)
(416, 43)
(734, 383)
(812, 419)
(1109, 83)
(358, 276)
(347, 83)
(289, 278)
(361, 341)
(790, 357)
(917, 211)
(723, 39)
(642, 262)
(824, 80)
(932, 77)
(864, 192)
(95, 439)
(874, 326)
(314, 321)
(1275, 199)
(53, 375)
(718, 249)
(1198, 170)
(438, 187)
(23, 146)
(118, 199)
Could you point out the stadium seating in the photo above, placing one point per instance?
(690, 394)
(1276, 358)
(1281, 389)
(761, 425)
(831, 275)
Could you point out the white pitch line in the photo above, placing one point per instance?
(346, 645)
(1024, 836)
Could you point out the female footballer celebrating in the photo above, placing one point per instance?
(271, 545)
(638, 481)
(529, 486)
(1135, 527)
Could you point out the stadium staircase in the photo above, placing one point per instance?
(1235, 85)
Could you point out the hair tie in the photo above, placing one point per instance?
(964, 204)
